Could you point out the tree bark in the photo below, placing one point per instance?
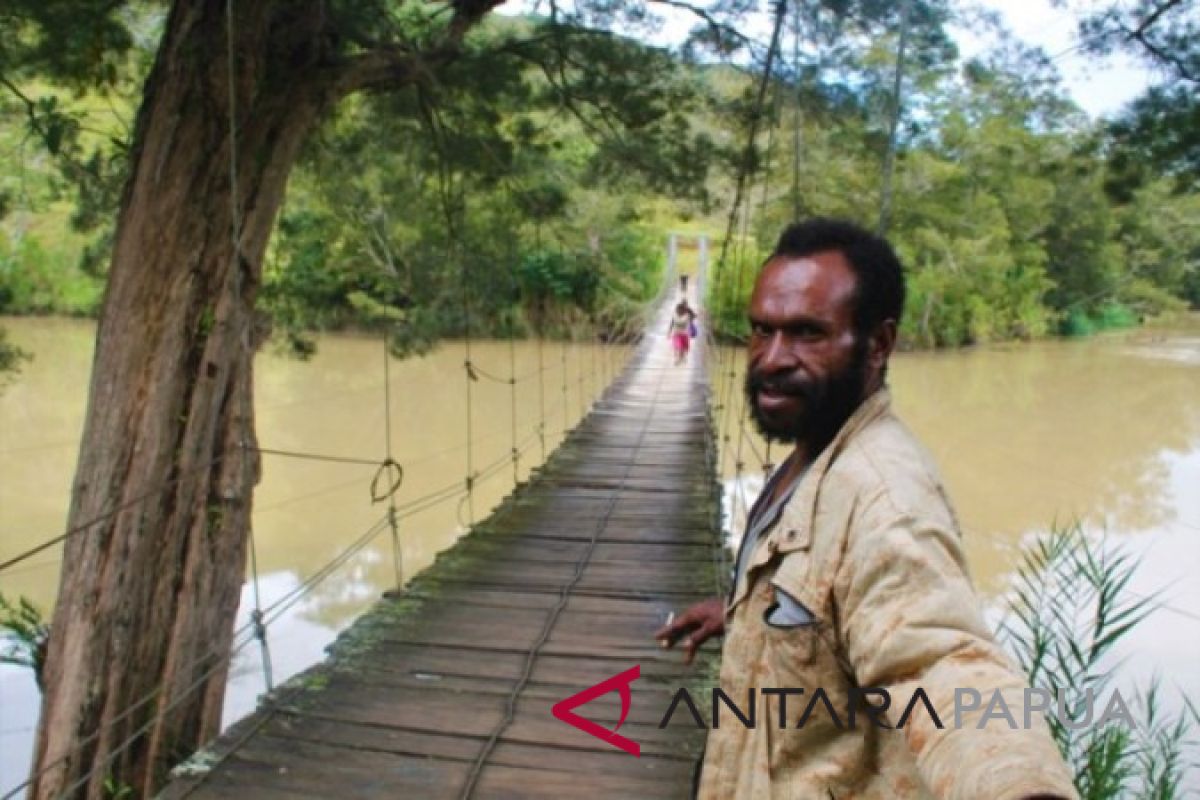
(167, 461)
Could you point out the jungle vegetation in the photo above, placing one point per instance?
(1016, 215)
(205, 176)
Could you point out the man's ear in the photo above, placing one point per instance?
(881, 345)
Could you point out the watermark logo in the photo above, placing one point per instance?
(869, 703)
(564, 710)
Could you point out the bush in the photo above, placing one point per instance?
(35, 280)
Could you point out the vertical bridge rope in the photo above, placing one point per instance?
(235, 213)
(389, 465)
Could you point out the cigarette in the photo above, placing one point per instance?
(665, 642)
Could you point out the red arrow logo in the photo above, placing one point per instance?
(564, 710)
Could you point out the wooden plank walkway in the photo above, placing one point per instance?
(450, 686)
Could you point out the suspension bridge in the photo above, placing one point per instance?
(445, 689)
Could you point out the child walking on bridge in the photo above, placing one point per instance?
(681, 329)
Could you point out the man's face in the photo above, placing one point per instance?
(807, 369)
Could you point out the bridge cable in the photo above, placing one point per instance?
(797, 139)
(389, 470)
(270, 614)
(247, 448)
(512, 351)
(765, 462)
(541, 356)
(83, 526)
(747, 167)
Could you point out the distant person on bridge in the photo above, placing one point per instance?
(681, 329)
(851, 576)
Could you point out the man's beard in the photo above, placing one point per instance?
(824, 405)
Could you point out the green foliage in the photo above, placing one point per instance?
(548, 275)
(1158, 134)
(34, 280)
(24, 634)
(1004, 212)
(967, 291)
(525, 172)
(115, 789)
(483, 207)
(1109, 316)
(1160, 244)
(11, 358)
(1069, 609)
(729, 289)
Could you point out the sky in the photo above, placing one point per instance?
(1099, 87)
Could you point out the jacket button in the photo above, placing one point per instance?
(791, 534)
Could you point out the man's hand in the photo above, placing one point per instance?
(695, 626)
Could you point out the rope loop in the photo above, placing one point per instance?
(393, 473)
(458, 511)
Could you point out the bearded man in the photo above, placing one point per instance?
(850, 581)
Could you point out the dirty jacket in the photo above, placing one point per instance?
(870, 546)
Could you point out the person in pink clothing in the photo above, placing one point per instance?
(680, 330)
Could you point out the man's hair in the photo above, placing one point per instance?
(879, 293)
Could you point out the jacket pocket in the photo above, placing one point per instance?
(792, 637)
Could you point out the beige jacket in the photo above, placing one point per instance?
(869, 544)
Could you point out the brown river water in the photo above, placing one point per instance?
(1105, 430)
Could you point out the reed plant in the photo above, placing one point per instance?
(1068, 611)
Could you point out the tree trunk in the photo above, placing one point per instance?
(167, 461)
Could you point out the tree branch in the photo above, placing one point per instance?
(721, 28)
(1175, 62)
(467, 14)
(1154, 16)
(70, 165)
(1140, 35)
(388, 67)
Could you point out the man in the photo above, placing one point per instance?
(851, 575)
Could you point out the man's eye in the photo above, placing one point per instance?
(760, 330)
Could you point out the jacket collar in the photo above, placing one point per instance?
(793, 531)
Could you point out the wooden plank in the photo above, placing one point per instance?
(561, 588)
